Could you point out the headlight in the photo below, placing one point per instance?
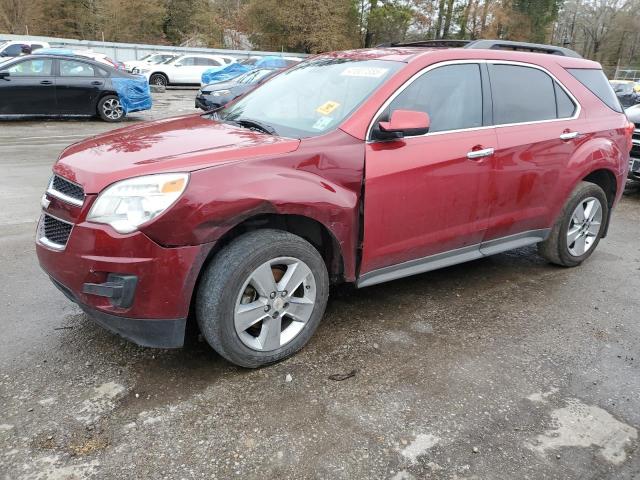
(128, 204)
(220, 93)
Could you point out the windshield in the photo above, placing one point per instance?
(313, 97)
(622, 88)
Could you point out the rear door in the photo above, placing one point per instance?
(29, 89)
(539, 128)
(78, 86)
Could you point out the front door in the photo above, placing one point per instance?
(428, 195)
(29, 88)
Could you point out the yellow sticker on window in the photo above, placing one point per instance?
(327, 107)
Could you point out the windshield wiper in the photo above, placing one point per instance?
(255, 124)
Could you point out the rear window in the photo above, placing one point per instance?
(594, 80)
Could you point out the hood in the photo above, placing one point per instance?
(181, 144)
(224, 85)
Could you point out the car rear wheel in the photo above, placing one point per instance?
(577, 232)
(158, 79)
(110, 109)
(262, 297)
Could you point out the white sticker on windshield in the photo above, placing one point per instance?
(370, 72)
(322, 123)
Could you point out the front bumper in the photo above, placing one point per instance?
(634, 168)
(157, 333)
(96, 268)
(204, 103)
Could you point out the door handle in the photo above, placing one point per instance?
(96, 83)
(475, 154)
(569, 135)
(46, 82)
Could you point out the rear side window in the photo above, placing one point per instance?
(522, 94)
(451, 95)
(594, 80)
(72, 68)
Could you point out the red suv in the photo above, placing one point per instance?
(361, 166)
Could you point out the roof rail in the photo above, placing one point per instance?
(427, 43)
(488, 44)
(522, 47)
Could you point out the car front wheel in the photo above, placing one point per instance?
(262, 297)
(579, 228)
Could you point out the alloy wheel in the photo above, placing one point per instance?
(113, 109)
(275, 303)
(584, 226)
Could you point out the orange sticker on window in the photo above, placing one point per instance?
(327, 107)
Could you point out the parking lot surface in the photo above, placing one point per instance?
(502, 368)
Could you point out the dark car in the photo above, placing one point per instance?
(218, 94)
(633, 114)
(69, 85)
(626, 92)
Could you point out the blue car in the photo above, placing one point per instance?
(215, 75)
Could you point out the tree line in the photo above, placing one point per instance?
(605, 30)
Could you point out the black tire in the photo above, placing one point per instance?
(555, 248)
(159, 79)
(223, 278)
(110, 109)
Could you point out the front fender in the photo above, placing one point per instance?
(321, 180)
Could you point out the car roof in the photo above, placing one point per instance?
(420, 54)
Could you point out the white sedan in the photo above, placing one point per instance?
(184, 70)
(151, 59)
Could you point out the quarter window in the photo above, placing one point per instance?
(566, 107)
(31, 68)
(451, 95)
(595, 80)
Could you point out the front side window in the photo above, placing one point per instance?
(31, 68)
(451, 95)
(73, 68)
(313, 97)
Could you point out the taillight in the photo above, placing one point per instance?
(631, 127)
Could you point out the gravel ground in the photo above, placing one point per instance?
(503, 368)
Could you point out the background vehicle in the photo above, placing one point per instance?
(230, 72)
(628, 92)
(633, 113)
(184, 70)
(215, 95)
(151, 59)
(15, 48)
(361, 166)
(98, 57)
(69, 85)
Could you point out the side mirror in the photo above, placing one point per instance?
(4, 75)
(403, 123)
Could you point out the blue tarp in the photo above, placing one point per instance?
(53, 51)
(214, 75)
(134, 93)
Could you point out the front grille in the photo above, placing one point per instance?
(66, 190)
(54, 232)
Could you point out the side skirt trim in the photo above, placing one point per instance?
(452, 257)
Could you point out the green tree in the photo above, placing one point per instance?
(308, 26)
(389, 22)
